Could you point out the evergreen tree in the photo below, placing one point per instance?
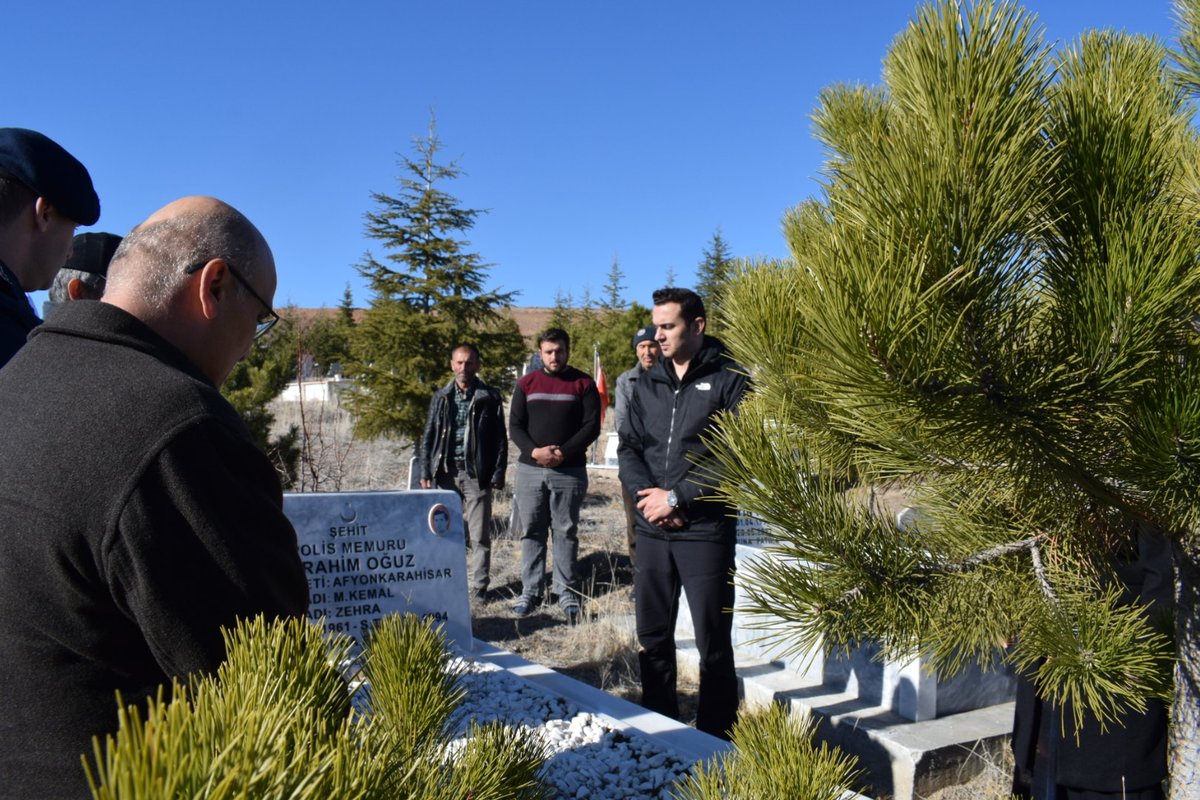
(613, 288)
(712, 276)
(346, 308)
(326, 338)
(606, 327)
(609, 330)
(562, 315)
(257, 380)
(991, 307)
(427, 296)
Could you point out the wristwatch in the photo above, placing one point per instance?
(672, 499)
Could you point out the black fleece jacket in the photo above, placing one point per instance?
(136, 518)
(661, 444)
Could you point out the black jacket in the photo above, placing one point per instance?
(17, 318)
(137, 517)
(486, 439)
(660, 439)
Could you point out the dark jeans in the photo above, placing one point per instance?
(704, 570)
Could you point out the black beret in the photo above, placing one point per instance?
(51, 172)
(91, 252)
(645, 334)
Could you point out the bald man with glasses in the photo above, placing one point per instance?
(137, 517)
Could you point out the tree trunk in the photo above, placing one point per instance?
(1185, 712)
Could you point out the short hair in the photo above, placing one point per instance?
(162, 250)
(691, 305)
(59, 292)
(15, 198)
(556, 335)
(465, 346)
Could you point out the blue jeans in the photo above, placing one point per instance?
(549, 498)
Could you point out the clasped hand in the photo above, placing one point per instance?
(654, 507)
(549, 456)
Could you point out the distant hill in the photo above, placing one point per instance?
(530, 319)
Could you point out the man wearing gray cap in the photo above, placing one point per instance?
(83, 276)
(45, 193)
(645, 347)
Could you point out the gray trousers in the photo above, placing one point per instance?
(549, 498)
(477, 523)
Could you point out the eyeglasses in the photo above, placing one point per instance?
(267, 319)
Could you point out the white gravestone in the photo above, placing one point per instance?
(369, 554)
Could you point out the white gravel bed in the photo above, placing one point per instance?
(588, 756)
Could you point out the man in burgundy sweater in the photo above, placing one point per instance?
(554, 418)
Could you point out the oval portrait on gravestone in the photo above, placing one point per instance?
(439, 519)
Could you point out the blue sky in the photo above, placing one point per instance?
(626, 129)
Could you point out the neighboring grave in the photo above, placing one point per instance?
(369, 554)
(610, 450)
(910, 688)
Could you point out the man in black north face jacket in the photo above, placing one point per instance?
(685, 538)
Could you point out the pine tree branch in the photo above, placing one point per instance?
(1039, 570)
(991, 554)
(974, 561)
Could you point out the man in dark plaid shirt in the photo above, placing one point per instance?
(465, 448)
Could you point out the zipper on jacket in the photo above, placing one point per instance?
(671, 435)
(468, 445)
(443, 437)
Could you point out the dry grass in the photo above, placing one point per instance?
(993, 782)
(331, 459)
(602, 649)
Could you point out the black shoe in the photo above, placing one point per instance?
(479, 594)
(570, 611)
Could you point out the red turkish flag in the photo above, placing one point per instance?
(601, 384)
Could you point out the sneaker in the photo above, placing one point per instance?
(523, 606)
(570, 611)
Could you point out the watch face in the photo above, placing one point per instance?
(672, 499)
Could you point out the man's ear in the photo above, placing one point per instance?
(75, 288)
(213, 287)
(700, 323)
(42, 212)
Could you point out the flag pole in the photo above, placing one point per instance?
(598, 377)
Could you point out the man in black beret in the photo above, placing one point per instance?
(45, 193)
(84, 274)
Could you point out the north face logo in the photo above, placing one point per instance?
(703, 387)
